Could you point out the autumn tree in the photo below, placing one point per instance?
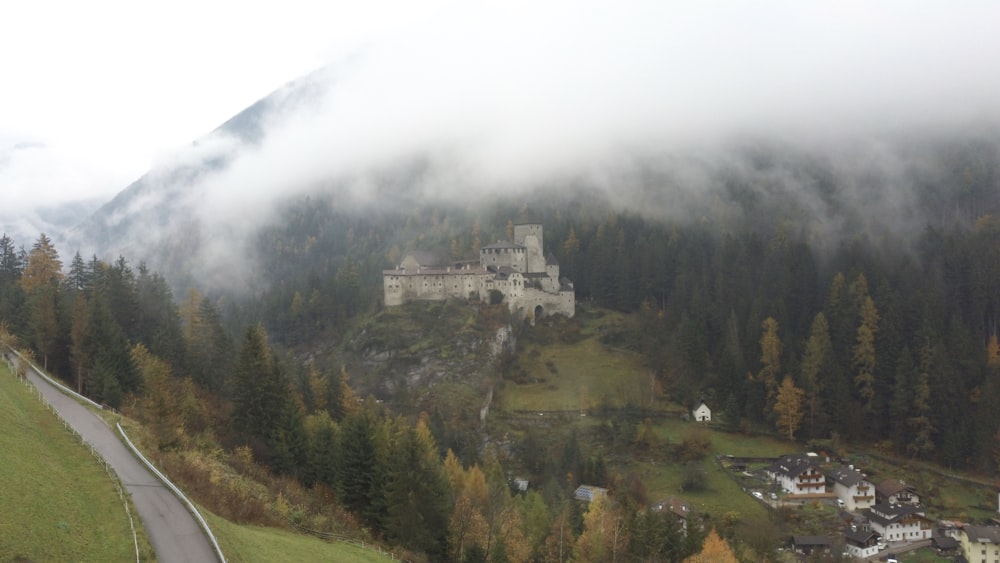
(815, 367)
(863, 356)
(788, 408)
(770, 360)
(595, 544)
(40, 282)
(715, 550)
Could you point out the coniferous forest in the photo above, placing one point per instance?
(888, 337)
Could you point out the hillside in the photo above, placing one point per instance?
(59, 503)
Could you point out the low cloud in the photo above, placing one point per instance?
(518, 95)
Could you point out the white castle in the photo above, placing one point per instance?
(528, 281)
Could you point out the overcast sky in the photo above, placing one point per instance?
(95, 92)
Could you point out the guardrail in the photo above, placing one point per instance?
(93, 451)
(190, 505)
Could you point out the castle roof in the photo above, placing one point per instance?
(551, 260)
(527, 217)
(501, 244)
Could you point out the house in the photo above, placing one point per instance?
(798, 474)
(852, 487)
(677, 507)
(702, 413)
(861, 542)
(980, 543)
(806, 545)
(589, 492)
(895, 491)
(900, 522)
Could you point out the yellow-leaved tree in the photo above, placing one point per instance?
(715, 550)
(788, 408)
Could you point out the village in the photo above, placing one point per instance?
(875, 519)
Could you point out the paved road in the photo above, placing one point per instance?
(171, 529)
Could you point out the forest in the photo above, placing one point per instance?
(885, 340)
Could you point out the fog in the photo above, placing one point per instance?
(517, 96)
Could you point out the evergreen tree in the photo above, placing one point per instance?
(417, 493)
(260, 393)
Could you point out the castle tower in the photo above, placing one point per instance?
(529, 233)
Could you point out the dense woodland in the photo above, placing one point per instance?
(875, 337)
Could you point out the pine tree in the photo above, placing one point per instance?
(921, 431)
(417, 493)
(260, 393)
(358, 462)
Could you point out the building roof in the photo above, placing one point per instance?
(589, 492)
(527, 217)
(500, 245)
(944, 542)
(982, 534)
(426, 258)
(792, 465)
(890, 487)
(458, 270)
(680, 508)
(551, 260)
(812, 541)
(846, 476)
(885, 513)
(860, 536)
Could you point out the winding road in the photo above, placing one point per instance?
(171, 529)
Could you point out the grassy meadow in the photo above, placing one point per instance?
(56, 501)
(258, 543)
(581, 375)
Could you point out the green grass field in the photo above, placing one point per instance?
(56, 501)
(255, 543)
(583, 375)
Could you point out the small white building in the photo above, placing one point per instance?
(852, 488)
(860, 542)
(797, 474)
(702, 413)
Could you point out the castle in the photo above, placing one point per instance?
(519, 271)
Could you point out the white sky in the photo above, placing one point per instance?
(109, 87)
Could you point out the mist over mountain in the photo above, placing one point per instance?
(834, 126)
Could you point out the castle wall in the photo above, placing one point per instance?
(511, 257)
(517, 270)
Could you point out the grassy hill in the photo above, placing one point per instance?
(58, 504)
(259, 543)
